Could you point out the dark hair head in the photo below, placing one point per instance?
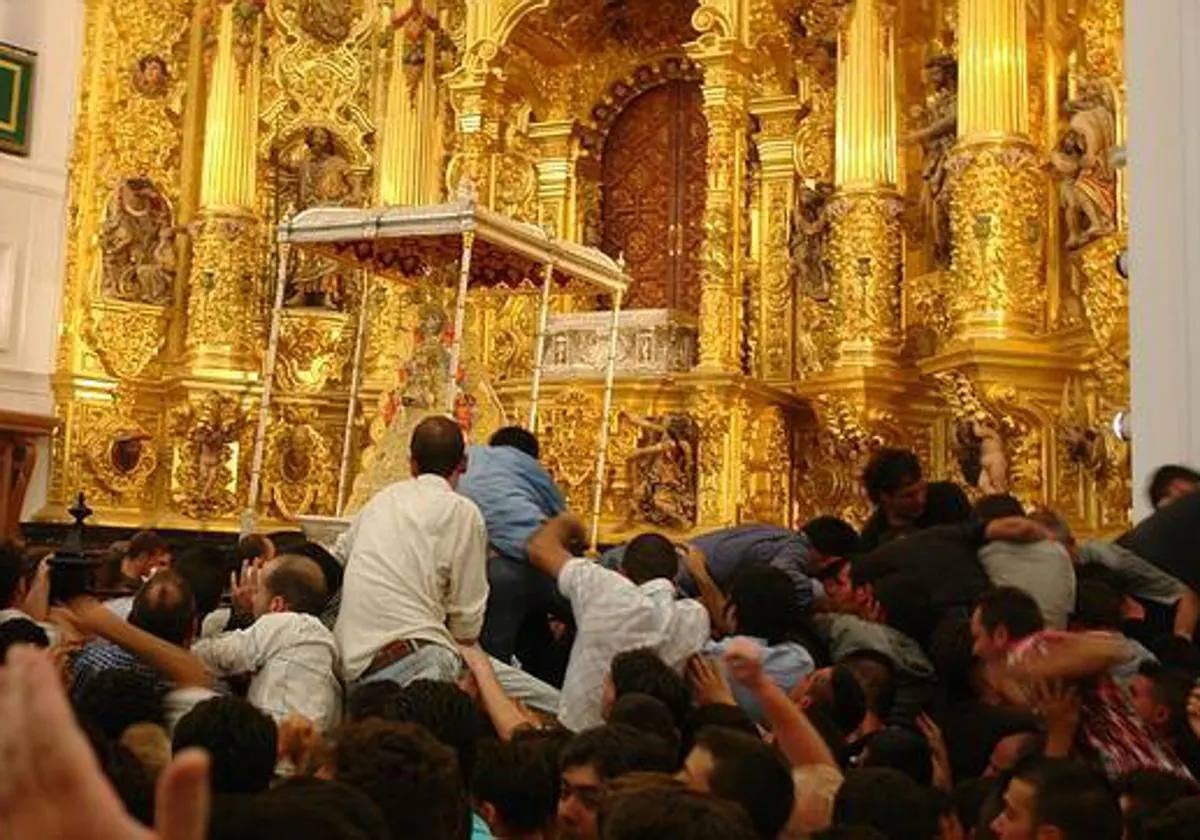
(125, 773)
(206, 569)
(412, 777)
(1097, 606)
(1165, 476)
(517, 438)
(1148, 793)
(447, 713)
(849, 698)
(298, 581)
(646, 714)
(437, 446)
(945, 504)
(1073, 798)
(240, 740)
(651, 814)
(765, 601)
(147, 544)
(379, 698)
(616, 749)
(643, 672)
(649, 557)
(1171, 688)
(711, 715)
(252, 547)
(998, 506)
(903, 750)
(832, 536)
(876, 673)
(116, 698)
(21, 631)
(889, 801)
(164, 607)
(752, 774)
(299, 809)
(1177, 822)
(520, 780)
(888, 471)
(12, 572)
(1013, 608)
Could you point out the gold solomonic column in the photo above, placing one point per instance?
(726, 77)
(223, 323)
(865, 236)
(996, 208)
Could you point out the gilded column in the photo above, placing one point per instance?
(997, 204)
(865, 211)
(223, 327)
(411, 149)
(475, 95)
(773, 318)
(556, 184)
(726, 74)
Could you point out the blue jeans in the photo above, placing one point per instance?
(516, 591)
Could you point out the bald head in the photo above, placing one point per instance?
(438, 447)
(298, 581)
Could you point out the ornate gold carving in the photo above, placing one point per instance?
(204, 478)
(997, 210)
(313, 350)
(864, 253)
(225, 296)
(569, 426)
(120, 451)
(661, 471)
(127, 339)
(714, 418)
(300, 471)
(137, 240)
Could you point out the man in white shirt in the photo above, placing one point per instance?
(614, 612)
(416, 573)
(290, 652)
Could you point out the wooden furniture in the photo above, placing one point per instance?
(19, 433)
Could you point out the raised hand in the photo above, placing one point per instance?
(1059, 705)
(708, 682)
(52, 788)
(942, 777)
(244, 586)
(743, 658)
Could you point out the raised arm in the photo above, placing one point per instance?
(1072, 657)
(506, 716)
(175, 663)
(794, 732)
(550, 546)
(711, 595)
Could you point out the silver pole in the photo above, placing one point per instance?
(355, 383)
(602, 446)
(264, 408)
(539, 348)
(460, 315)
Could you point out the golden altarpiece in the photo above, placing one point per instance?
(851, 223)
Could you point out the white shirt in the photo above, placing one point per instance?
(294, 660)
(417, 569)
(614, 615)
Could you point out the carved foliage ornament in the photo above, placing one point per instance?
(127, 340)
(313, 350)
(119, 450)
(570, 423)
(299, 466)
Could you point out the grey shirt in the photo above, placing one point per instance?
(1043, 569)
(1140, 577)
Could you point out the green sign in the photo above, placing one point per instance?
(16, 99)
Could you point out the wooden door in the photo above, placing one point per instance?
(653, 195)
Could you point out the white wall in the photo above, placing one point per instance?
(33, 197)
(1163, 67)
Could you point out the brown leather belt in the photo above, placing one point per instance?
(391, 653)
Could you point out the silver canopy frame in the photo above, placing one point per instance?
(401, 242)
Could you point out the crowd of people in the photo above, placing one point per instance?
(457, 667)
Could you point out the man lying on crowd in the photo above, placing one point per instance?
(615, 611)
(1022, 657)
(515, 494)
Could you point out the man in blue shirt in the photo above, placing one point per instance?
(516, 495)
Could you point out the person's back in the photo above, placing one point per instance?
(615, 612)
(1043, 569)
(512, 490)
(416, 568)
